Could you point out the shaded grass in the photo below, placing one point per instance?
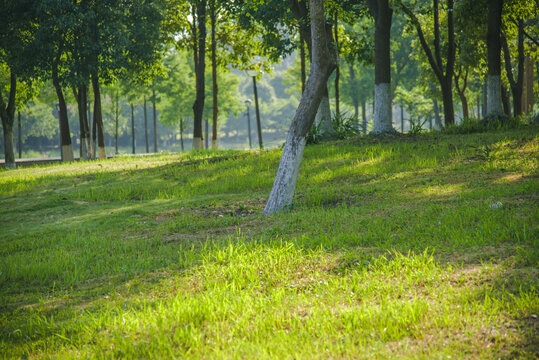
(393, 249)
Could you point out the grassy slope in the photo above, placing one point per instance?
(394, 249)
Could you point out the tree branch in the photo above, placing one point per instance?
(413, 18)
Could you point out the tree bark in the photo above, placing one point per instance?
(200, 65)
(382, 14)
(81, 97)
(323, 63)
(215, 89)
(7, 113)
(98, 118)
(257, 110)
(516, 85)
(302, 61)
(462, 91)
(494, 96)
(65, 137)
(323, 115)
(19, 134)
(116, 123)
(364, 116)
(337, 70)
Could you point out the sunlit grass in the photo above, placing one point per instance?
(415, 247)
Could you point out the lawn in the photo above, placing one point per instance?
(412, 247)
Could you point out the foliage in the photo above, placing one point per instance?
(345, 125)
(315, 135)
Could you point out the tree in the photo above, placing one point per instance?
(444, 74)
(323, 63)
(494, 81)
(382, 14)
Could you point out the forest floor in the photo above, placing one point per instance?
(405, 247)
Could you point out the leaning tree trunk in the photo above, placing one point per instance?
(65, 138)
(322, 64)
(200, 65)
(7, 113)
(494, 83)
(382, 14)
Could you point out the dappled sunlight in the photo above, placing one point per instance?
(178, 250)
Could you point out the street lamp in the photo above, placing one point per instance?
(253, 74)
(247, 103)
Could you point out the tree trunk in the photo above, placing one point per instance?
(116, 125)
(206, 133)
(516, 85)
(447, 98)
(181, 133)
(215, 89)
(65, 137)
(19, 134)
(258, 123)
(322, 64)
(506, 103)
(98, 118)
(7, 114)
(494, 96)
(155, 136)
(132, 129)
(323, 115)
(337, 70)
(445, 76)
(9, 152)
(91, 129)
(382, 14)
(364, 116)
(81, 97)
(200, 65)
(437, 120)
(302, 61)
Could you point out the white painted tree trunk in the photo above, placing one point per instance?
(323, 117)
(85, 148)
(494, 95)
(102, 153)
(284, 186)
(214, 144)
(197, 143)
(67, 153)
(382, 109)
(323, 63)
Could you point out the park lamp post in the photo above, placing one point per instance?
(254, 74)
(247, 103)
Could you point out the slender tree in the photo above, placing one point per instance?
(324, 60)
(444, 74)
(494, 81)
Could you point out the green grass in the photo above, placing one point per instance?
(407, 247)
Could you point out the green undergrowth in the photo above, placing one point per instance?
(395, 247)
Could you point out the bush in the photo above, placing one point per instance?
(345, 125)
